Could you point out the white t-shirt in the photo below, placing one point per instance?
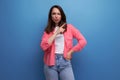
(59, 43)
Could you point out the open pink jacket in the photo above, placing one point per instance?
(72, 32)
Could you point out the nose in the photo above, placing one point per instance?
(56, 16)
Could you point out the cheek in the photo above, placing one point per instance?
(53, 16)
(59, 18)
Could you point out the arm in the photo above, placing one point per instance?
(59, 30)
(48, 39)
(44, 43)
(81, 42)
(80, 38)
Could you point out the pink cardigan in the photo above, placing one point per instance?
(72, 32)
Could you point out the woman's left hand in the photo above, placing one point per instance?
(69, 55)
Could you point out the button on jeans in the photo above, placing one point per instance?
(62, 69)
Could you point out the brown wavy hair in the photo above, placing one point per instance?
(50, 25)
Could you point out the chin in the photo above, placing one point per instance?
(56, 22)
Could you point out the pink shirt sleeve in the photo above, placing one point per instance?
(44, 43)
(80, 38)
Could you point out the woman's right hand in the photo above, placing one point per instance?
(61, 29)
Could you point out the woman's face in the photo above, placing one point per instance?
(56, 15)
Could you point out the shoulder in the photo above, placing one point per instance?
(70, 26)
(46, 34)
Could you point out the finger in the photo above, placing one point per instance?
(63, 30)
(68, 58)
(63, 25)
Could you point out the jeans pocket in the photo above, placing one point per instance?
(67, 61)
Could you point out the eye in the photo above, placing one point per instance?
(53, 13)
(58, 13)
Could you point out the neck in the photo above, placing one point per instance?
(56, 24)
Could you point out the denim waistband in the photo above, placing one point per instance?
(59, 55)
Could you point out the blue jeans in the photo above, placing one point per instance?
(62, 69)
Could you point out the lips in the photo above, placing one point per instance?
(56, 19)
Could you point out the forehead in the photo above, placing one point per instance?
(55, 10)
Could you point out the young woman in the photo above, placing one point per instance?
(58, 47)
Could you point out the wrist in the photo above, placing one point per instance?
(55, 33)
(72, 51)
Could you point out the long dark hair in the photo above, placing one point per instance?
(50, 25)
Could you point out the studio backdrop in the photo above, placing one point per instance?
(22, 23)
